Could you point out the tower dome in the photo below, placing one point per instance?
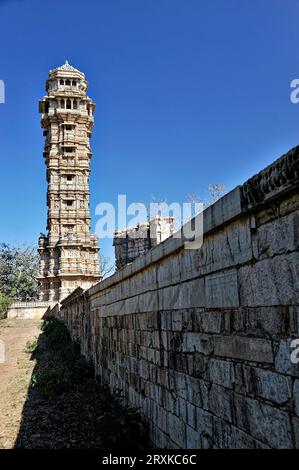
(66, 69)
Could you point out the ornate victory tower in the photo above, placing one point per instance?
(69, 253)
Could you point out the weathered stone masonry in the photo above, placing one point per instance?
(69, 252)
(200, 339)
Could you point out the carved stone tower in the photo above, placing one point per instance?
(69, 253)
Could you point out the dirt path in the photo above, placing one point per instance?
(15, 376)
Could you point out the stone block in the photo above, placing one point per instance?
(148, 279)
(221, 290)
(143, 369)
(183, 409)
(272, 321)
(191, 415)
(166, 319)
(164, 340)
(222, 435)
(197, 365)
(190, 319)
(177, 321)
(226, 208)
(221, 402)
(241, 440)
(193, 438)
(244, 383)
(265, 423)
(152, 320)
(175, 341)
(168, 401)
(283, 362)
(180, 385)
(197, 342)
(221, 373)
(168, 272)
(210, 321)
(198, 392)
(189, 264)
(225, 248)
(227, 436)
(289, 204)
(296, 396)
(240, 347)
(162, 377)
(177, 430)
(161, 419)
(267, 214)
(272, 386)
(236, 320)
(277, 237)
(185, 295)
(294, 321)
(204, 427)
(272, 282)
(296, 432)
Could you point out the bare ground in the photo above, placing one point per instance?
(50, 399)
(15, 376)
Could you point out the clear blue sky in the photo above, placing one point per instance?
(188, 93)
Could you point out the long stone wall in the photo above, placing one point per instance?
(200, 339)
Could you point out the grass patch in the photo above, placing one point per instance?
(31, 345)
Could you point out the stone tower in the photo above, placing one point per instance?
(69, 253)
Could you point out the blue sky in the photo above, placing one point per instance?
(188, 93)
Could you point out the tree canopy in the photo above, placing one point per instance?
(18, 272)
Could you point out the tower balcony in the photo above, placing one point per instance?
(71, 112)
(75, 240)
(72, 187)
(67, 162)
(67, 91)
(74, 271)
(49, 272)
(69, 214)
(68, 139)
(64, 115)
(71, 239)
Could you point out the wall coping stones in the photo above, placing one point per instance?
(32, 304)
(280, 177)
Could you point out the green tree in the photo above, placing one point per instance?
(18, 272)
(5, 302)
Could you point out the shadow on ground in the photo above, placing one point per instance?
(66, 407)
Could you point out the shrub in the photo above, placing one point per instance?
(5, 303)
(31, 345)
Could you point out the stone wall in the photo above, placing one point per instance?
(200, 339)
(28, 310)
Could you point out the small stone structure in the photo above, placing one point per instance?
(29, 310)
(201, 339)
(69, 253)
(136, 241)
